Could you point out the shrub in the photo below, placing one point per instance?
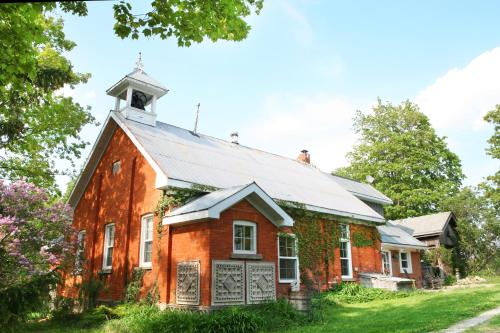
(450, 280)
(355, 293)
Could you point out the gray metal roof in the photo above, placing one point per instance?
(362, 191)
(425, 225)
(394, 235)
(201, 159)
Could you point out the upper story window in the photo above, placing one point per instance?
(116, 167)
(80, 252)
(146, 241)
(288, 260)
(345, 252)
(244, 237)
(109, 243)
(405, 262)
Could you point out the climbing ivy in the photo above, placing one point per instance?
(365, 238)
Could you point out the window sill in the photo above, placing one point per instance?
(106, 271)
(251, 256)
(348, 279)
(145, 268)
(287, 281)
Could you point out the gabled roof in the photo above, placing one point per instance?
(182, 158)
(138, 77)
(426, 225)
(362, 191)
(394, 235)
(211, 205)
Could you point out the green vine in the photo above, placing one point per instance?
(363, 238)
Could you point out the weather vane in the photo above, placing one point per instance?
(138, 64)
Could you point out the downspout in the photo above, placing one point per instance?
(96, 222)
(169, 261)
(129, 221)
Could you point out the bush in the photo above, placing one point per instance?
(355, 293)
(450, 280)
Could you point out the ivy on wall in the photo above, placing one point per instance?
(365, 238)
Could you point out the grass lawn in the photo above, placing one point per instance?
(422, 312)
(491, 326)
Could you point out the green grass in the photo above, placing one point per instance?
(423, 312)
(491, 326)
(417, 312)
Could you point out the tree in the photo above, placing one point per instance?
(37, 125)
(187, 20)
(478, 229)
(409, 162)
(491, 185)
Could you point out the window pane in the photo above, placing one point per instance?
(343, 250)
(238, 231)
(282, 241)
(148, 250)
(288, 269)
(404, 256)
(248, 244)
(149, 228)
(344, 265)
(111, 235)
(248, 231)
(109, 257)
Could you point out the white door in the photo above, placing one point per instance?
(386, 263)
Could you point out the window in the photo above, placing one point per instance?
(80, 252)
(405, 262)
(386, 263)
(288, 261)
(244, 237)
(146, 241)
(345, 251)
(116, 167)
(109, 241)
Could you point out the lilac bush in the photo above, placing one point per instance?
(36, 236)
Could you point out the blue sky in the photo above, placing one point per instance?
(306, 67)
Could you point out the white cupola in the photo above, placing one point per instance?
(140, 93)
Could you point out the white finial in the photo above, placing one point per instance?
(138, 64)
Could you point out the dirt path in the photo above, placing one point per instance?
(469, 323)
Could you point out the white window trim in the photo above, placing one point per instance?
(296, 259)
(254, 240)
(408, 256)
(80, 250)
(143, 263)
(390, 261)
(106, 247)
(349, 254)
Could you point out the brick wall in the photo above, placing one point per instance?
(416, 267)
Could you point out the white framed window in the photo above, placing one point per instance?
(244, 237)
(109, 243)
(386, 263)
(288, 261)
(345, 251)
(146, 247)
(80, 252)
(405, 262)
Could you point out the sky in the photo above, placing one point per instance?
(305, 68)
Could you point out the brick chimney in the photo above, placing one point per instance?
(304, 157)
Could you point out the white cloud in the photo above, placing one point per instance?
(79, 94)
(460, 98)
(301, 27)
(320, 123)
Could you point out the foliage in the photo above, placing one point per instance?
(36, 236)
(187, 21)
(17, 301)
(478, 229)
(409, 162)
(88, 291)
(491, 186)
(176, 196)
(363, 238)
(450, 280)
(133, 289)
(355, 293)
(37, 125)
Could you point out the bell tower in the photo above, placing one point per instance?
(140, 92)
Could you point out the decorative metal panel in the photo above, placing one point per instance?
(188, 283)
(228, 282)
(261, 282)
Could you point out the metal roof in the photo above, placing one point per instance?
(200, 159)
(394, 235)
(425, 225)
(139, 77)
(210, 206)
(362, 191)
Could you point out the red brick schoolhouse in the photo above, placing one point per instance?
(232, 244)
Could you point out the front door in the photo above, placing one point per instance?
(386, 263)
